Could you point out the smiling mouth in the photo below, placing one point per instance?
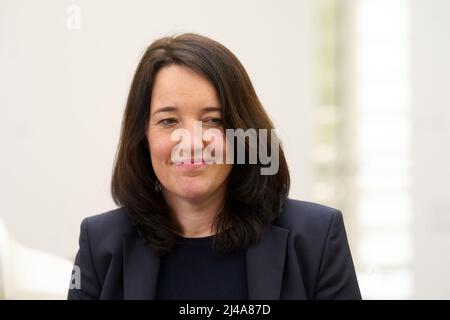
(191, 164)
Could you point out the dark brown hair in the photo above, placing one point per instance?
(252, 200)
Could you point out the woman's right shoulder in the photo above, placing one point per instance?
(110, 224)
(101, 244)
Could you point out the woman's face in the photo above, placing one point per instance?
(181, 97)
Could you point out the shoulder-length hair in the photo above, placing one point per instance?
(252, 200)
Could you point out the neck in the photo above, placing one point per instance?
(195, 216)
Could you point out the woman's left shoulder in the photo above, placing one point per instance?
(298, 215)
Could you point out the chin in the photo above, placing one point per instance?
(193, 189)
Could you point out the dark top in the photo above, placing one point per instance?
(194, 270)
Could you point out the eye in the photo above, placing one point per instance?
(168, 122)
(214, 121)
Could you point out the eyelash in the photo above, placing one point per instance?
(218, 122)
(164, 122)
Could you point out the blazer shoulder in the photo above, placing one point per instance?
(300, 215)
(318, 245)
(108, 224)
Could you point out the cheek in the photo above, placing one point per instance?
(160, 146)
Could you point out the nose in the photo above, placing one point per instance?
(197, 145)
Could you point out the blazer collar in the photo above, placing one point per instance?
(265, 265)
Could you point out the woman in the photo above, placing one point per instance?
(191, 224)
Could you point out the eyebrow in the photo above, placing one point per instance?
(172, 109)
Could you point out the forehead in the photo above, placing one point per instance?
(178, 84)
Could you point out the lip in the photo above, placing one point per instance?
(191, 165)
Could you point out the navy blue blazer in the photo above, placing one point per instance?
(303, 254)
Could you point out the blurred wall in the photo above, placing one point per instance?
(431, 147)
(63, 91)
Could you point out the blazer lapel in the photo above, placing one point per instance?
(140, 268)
(265, 264)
